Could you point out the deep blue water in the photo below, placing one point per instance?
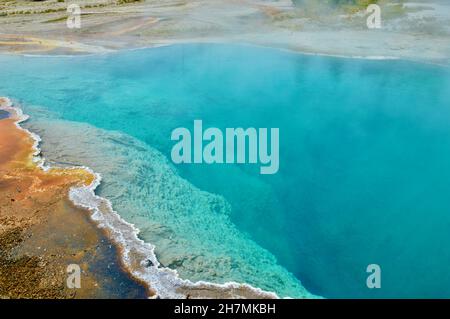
(364, 149)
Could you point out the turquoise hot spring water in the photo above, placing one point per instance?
(364, 171)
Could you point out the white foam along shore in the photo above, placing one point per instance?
(138, 257)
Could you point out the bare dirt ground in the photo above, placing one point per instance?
(418, 30)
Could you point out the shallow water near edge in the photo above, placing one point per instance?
(3, 114)
(364, 161)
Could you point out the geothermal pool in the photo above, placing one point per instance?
(364, 167)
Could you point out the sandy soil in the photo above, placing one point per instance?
(417, 30)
